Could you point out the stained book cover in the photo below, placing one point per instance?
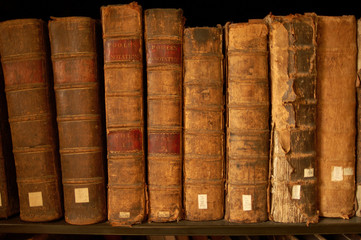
(73, 42)
(203, 136)
(9, 198)
(247, 108)
(24, 50)
(163, 44)
(336, 122)
(293, 173)
(358, 119)
(123, 71)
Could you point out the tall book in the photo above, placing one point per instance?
(358, 119)
(73, 42)
(123, 69)
(25, 59)
(163, 42)
(203, 135)
(247, 148)
(9, 198)
(336, 122)
(292, 44)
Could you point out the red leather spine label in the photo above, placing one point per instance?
(80, 70)
(32, 71)
(122, 50)
(168, 143)
(161, 53)
(125, 140)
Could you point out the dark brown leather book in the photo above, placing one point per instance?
(123, 69)
(292, 44)
(203, 135)
(76, 83)
(163, 42)
(358, 119)
(24, 50)
(9, 198)
(247, 147)
(336, 111)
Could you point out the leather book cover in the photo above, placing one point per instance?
(76, 84)
(293, 172)
(336, 114)
(9, 198)
(358, 121)
(163, 44)
(124, 102)
(25, 58)
(247, 109)
(203, 134)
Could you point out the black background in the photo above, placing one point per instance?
(196, 12)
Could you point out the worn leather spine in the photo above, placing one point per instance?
(336, 116)
(76, 84)
(163, 42)
(26, 64)
(9, 198)
(358, 121)
(247, 147)
(203, 135)
(123, 69)
(292, 44)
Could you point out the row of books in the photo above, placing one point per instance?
(246, 122)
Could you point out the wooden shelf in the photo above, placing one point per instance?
(325, 226)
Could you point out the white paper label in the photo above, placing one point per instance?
(202, 201)
(348, 171)
(163, 214)
(337, 174)
(296, 192)
(35, 199)
(247, 202)
(308, 172)
(81, 195)
(124, 214)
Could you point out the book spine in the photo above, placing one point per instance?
(25, 61)
(292, 46)
(123, 69)
(336, 116)
(358, 119)
(247, 122)
(163, 42)
(76, 84)
(203, 124)
(9, 199)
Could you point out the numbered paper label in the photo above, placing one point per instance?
(247, 202)
(308, 172)
(163, 214)
(296, 192)
(202, 201)
(81, 195)
(337, 174)
(348, 171)
(35, 199)
(124, 214)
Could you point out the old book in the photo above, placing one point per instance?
(24, 50)
(203, 134)
(123, 69)
(247, 147)
(9, 198)
(292, 44)
(358, 119)
(336, 126)
(163, 42)
(73, 42)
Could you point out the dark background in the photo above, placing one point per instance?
(196, 12)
